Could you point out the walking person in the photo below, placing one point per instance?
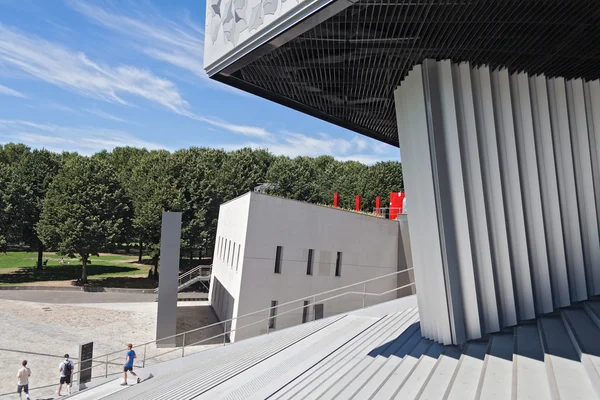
(128, 366)
(66, 370)
(23, 380)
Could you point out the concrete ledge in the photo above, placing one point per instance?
(78, 289)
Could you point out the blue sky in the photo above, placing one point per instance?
(85, 76)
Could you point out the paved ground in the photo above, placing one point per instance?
(68, 297)
(41, 326)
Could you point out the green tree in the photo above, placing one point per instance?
(30, 178)
(350, 182)
(242, 170)
(195, 174)
(4, 175)
(152, 192)
(12, 153)
(84, 210)
(296, 178)
(381, 179)
(124, 160)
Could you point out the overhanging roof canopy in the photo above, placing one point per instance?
(343, 62)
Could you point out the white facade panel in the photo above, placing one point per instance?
(425, 234)
(549, 191)
(510, 163)
(592, 108)
(585, 183)
(448, 173)
(566, 187)
(482, 258)
(511, 188)
(531, 195)
(494, 193)
(226, 278)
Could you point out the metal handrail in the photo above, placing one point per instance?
(195, 269)
(199, 269)
(104, 359)
(313, 296)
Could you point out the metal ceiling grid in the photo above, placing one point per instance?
(348, 66)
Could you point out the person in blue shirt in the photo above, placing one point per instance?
(128, 366)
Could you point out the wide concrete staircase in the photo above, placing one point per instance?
(378, 353)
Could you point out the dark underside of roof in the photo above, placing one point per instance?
(345, 70)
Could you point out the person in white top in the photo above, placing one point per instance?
(66, 370)
(23, 380)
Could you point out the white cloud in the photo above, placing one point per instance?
(177, 43)
(293, 144)
(245, 130)
(82, 139)
(60, 107)
(74, 71)
(10, 92)
(105, 115)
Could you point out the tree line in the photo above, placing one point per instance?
(80, 206)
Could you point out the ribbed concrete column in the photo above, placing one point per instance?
(502, 172)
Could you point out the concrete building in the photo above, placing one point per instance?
(272, 250)
(494, 105)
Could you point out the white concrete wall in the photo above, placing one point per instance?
(369, 248)
(226, 275)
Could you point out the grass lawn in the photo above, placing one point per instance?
(18, 267)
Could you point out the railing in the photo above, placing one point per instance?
(386, 212)
(179, 343)
(193, 273)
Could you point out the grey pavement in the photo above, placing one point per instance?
(69, 297)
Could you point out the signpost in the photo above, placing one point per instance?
(86, 353)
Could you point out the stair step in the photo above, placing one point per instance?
(593, 310)
(283, 367)
(395, 380)
(496, 377)
(100, 391)
(529, 372)
(441, 377)
(351, 376)
(462, 385)
(566, 374)
(585, 336)
(359, 359)
(359, 380)
(323, 371)
(421, 373)
(195, 381)
(383, 367)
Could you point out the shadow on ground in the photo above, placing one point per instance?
(60, 273)
(126, 282)
(193, 317)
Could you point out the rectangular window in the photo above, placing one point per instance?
(221, 250)
(309, 263)
(278, 260)
(272, 314)
(305, 311)
(233, 255)
(237, 264)
(228, 251)
(338, 264)
(319, 311)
